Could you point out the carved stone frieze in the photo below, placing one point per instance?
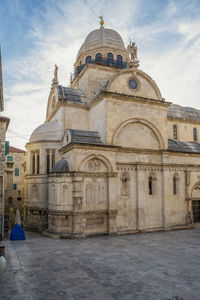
(36, 208)
(96, 212)
(97, 174)
(94, 165)
(197, 187)
(125, 179)
(77, 202)
(152, 168)
(60, 212)
(125, 168)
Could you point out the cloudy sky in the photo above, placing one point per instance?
(35, 35)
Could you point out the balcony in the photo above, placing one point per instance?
(101, 61)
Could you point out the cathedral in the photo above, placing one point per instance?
(112, 157)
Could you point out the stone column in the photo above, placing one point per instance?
(111, 204)
(77, 198)
(189, 214)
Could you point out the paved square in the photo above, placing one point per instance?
(153, 266)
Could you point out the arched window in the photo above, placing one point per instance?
(195, 134)
(119, 60)
(175, 133)
(98, 57)
(175, 184)
(53, 159)
(88, 59)
(48, 161)
(38, 163)
(150, 185)
(33, 163)
(110, 57)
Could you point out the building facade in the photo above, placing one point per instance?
(14, 182)
(3, 128)
(113, 157)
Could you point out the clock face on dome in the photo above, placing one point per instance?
(133, 84)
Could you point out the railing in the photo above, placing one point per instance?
(101, 61)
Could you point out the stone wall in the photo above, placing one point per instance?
(14, 190)
(3, 127)
(184, 130)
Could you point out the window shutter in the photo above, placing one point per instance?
(6, 147)
(17, 172)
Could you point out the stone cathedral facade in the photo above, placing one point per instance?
(112, 157)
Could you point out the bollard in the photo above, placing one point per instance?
(2, 263)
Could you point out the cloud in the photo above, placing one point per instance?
(168, 43)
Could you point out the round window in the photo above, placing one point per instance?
(133, 84)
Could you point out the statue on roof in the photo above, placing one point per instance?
(55, 79)
(132, 51)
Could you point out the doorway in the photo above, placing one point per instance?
(196, 210)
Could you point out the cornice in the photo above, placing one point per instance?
(127, 97)
(5, 120)
(81, 212)
(72, 146)
(157, 167)
(177, 120)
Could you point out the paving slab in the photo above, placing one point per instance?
(151, 266)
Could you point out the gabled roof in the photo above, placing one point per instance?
(187, 147)
(183, 113)
(16, 150)
(61, 166)
(87, 137)
(69, 94)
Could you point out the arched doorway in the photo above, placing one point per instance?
(196, 203)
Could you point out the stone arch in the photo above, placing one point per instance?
(95, 158)
(194, 214)
(141, 74)
(195, 191)
(152, 128)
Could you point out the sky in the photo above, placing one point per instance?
(37, 34)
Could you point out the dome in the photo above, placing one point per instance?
(61, 166)
(102, 37)
(49, 131)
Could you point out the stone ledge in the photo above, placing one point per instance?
(61, 235)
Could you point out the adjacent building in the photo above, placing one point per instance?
(14, 182)
(112, 157)
(3, 128)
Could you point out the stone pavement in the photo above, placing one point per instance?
(152, 266)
